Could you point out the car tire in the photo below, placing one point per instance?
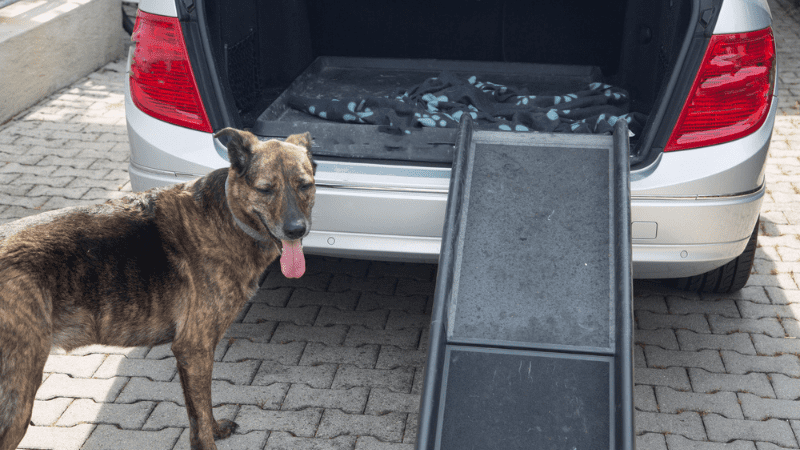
(726, 279)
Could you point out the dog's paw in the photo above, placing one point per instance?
(224, 428)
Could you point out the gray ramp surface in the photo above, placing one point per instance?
(535, 260)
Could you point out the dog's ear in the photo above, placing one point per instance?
(303, 140)
(240, 147)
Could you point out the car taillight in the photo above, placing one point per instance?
(161, 78)
(731, 94)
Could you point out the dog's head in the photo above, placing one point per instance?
(271, 184)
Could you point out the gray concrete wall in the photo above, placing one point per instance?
(48, 44)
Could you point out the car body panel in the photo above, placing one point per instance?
(741, 16)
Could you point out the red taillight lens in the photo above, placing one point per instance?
(731, 95)
(162, 82)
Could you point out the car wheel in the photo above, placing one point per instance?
(729, 278)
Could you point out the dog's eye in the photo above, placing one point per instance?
(265, 191)
(306, 186)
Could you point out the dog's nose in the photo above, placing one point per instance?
(294, 229)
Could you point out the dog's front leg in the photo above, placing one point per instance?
(195, 363)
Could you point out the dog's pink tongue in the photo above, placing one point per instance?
(293, 264)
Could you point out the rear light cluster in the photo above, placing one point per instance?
(161, 79)
(731, 95)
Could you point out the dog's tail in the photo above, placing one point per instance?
(24, 347)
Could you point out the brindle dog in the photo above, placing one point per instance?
(173, 264)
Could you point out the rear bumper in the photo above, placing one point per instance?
(690, 237)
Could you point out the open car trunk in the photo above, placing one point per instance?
(269, 54)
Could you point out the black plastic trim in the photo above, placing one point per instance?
(198, 46)
(428, 411)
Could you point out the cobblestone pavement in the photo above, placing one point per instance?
(335, 360)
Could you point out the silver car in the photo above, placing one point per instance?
(700, 73)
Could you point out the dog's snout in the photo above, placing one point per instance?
(294, 229)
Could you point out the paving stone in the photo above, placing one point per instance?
(254, 332)
(786, 388)
(299, 423)
(740, 342)
(405, 338)
(662, 337)
(647, 320)
(239, 373)
(705, 359)
(406, 286)
(329, 335)
(277, 297)
(171, 415)
(780, 296)
(345, 266)
(56, 438)
(46, 412)
(254, 440)
(757, 408)
(639, 359)
(61, 385)
(15, 167)
(654, 303)
(677, 442)
(399, 320)
(720, 307)
(769, 346)
(753, 383)
(413, 304)
(130, 416)
(285, 441)
(39, 178)
(651, 441)
(351, 400)
(74, 366)
(756, 294)
(260, 312)
(370, 443)
(342, 300)
(382, 401)
(767, 446)
(673, 402)
(752, 310)
(791, 327)
(222, 392)
(737, 363)
(285, 354)
(109, 436)
(396, 380)
(412, 426)
(317, 376)
(130, 352)
(318, 282)
(341, 283)
(66, 192)
(58, 202)
(388, 427)
(374, 320)
(686, 424)
(768, 325)
(391, 357)
(721, 429)
(420, 272)
(119, 365)
(364, 356)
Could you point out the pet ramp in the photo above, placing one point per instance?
(531, 332)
